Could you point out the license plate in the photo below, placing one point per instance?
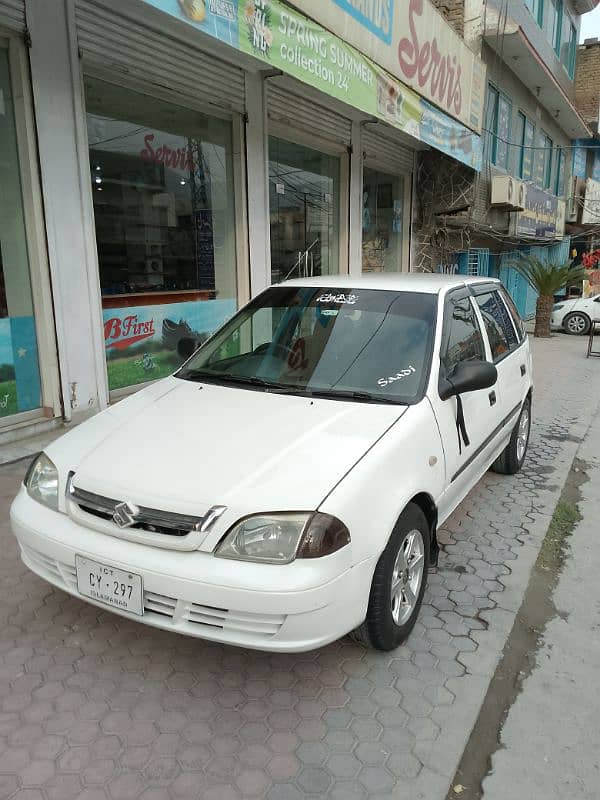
(109, 585)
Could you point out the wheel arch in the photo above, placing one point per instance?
(426, 503)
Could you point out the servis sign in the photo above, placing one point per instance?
(412, 41)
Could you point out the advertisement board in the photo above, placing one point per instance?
(275, 33)
(19, 371)
(591, 204)
(539, 218)
(414, 43)
(141, 342)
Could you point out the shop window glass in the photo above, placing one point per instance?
(19, 368)
(304, 202)
(162, 185)
(382, 222)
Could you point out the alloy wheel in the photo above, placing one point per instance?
(576, 324)
(407, 576)
(523, 434)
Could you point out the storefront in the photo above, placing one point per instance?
(191, 154)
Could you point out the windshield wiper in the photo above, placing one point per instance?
(247, 380)
(348, 394)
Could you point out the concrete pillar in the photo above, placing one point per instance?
(257, 171)
(355, 220)
(68, 210)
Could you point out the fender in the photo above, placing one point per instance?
(406, 464)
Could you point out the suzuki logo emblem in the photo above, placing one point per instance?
(125, 515)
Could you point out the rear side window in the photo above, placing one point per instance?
(498, 324)
(516, 317)
(463, 339)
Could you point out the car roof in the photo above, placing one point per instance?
(428, 282)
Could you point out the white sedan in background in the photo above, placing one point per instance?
(575, 315)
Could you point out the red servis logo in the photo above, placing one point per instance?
(424, 61)
(122, 333)
(174, 157)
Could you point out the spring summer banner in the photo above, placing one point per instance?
(285, 39)
(141, 342)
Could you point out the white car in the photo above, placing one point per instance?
(575, 315)
(284, 487)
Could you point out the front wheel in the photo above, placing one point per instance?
(510, 461)
(398, 583)
(577, 323)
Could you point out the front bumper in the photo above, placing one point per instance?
(288, 608)
(556, 323)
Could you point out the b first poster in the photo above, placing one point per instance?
(141, 342)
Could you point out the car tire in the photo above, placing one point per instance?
(577, 323)
(397, 588)
(510, 461)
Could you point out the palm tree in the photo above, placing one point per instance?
(546, 279)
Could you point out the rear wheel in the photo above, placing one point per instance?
(398, 583)
(510, 461)
(577, 323)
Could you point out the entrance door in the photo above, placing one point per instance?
(382, 221)
(304, 200)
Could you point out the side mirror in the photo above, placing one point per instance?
(468, 376)
(186, 347)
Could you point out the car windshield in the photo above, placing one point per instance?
(358, 344)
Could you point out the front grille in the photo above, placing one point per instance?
(146, 519)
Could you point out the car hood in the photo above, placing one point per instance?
(185, 446)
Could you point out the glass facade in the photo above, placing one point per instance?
(304, 203)
(19, 367)
(382, 221)
(162, 185)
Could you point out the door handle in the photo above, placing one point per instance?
(492, 396)
(523, 369)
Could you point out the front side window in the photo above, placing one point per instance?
(512, 310)
(162, 187)
(328, 342)
(463, 340)
(499, 328)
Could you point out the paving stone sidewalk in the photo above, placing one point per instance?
(97, 707)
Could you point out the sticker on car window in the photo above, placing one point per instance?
(330, 297)
(403, 373)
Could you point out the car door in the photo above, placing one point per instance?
(508, 352)
(462, 340)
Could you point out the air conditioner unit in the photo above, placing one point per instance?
(575, 201)
(571, 210)
(508, 193)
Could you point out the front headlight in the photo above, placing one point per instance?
(558, 306)
(42, 481)
(280, 538)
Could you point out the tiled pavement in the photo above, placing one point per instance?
(96, 707)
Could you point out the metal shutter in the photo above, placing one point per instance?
(387, 150)
(305, 115)
(110, 41)
(12, 14)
